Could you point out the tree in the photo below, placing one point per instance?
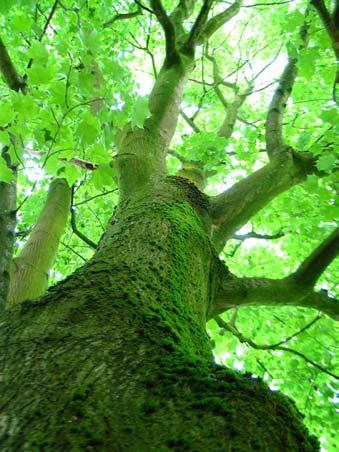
(116, 355)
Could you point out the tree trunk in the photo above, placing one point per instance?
(29, 270)
(116, 357)
(7, 228)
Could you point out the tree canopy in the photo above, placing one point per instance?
(75, 72)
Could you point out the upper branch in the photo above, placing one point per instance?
(231, 108)
(233, 208)
(181, 12)
(168, 27)
(10, 74)
(219, 20)
(311, 269)
(123, 16)
(331, 23)
(274, 121)
(331, 27)
(198, 25)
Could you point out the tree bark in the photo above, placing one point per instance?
(116, 357)
(29, 272)
(7, 229)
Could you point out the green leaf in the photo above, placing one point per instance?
(6, 174)
(24, 105)
(90, 39)
(292, 50)
(6, 5)
(21, 23)
(72, 173)
(103, 176)
(326, 162)
(52, 165)
(40, 75)
(7, 114)
(330, 115)
(293, 21)
(98, 153)
(4, 139)
(88, 130)
(140, 112)
(38, 52)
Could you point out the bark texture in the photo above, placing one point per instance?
(116, 357)
(29, 273)
(7, 229)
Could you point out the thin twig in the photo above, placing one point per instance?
(226, 326)
(74, 226)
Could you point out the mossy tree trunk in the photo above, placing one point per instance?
(116, 357)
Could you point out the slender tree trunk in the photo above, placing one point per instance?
(7, 229)
(116, 357)
(29, 273)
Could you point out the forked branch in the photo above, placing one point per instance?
(198, 25)
(279, 346)
(294, 290)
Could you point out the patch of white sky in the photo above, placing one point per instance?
(32, 171)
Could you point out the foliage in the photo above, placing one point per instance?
(86, 80)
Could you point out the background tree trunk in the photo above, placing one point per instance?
(116, 357)
(29, 272)
(7, 228)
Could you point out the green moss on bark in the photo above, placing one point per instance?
(116, 357)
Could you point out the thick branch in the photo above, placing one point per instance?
(218, 21)
(233, 208)
(182, 12)
(198, 25)
(235, 292)
(332, 27)
(328, 21)
(274, 120)
(29, 275)
(168, 27)
(165, 100)
(311, 269)
(10, 74)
